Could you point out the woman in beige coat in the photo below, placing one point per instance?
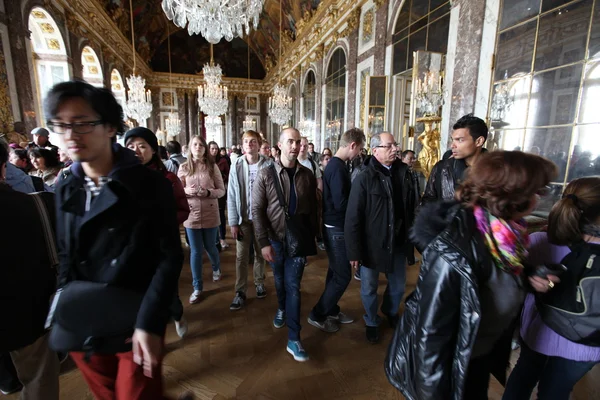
(203, 185)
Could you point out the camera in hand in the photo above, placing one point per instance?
(549, 269)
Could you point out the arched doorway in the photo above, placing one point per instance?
(335, 99)
(92, 71)
(117, 87)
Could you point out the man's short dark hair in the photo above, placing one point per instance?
(405, 153)
(173, 147)
(101, 100)
(476, 126)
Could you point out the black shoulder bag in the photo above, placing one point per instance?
(299, 238)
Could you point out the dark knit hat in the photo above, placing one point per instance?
(143, 133)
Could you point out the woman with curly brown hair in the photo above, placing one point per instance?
(457, 326)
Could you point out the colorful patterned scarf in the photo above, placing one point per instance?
(507, 241)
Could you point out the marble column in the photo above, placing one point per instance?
(76, 63)
(381, 17)
(19, 41)
(319, 104)
(154, 121)
(264, 117)
(231, 125)
(467, 24)
(351, 76)
(183, 134)
(194, 109)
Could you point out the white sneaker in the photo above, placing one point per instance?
(181, 327)
(216, 276)
(195, 297)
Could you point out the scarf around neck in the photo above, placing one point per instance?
(507, 241)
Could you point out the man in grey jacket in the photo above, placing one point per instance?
(242, 175)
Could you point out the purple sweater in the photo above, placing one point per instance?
(534, 332)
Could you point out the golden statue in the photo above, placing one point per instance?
(430, 139)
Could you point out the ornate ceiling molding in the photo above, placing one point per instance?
(86, 18)
(191, 82)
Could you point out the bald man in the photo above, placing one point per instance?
(284, 194)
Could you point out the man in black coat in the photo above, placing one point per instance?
(468, 137)
(117, 224)
(27, 282)
(376, 230)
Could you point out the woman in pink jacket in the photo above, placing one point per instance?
(203, 185)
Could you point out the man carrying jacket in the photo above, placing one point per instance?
(298, 187)
(117, 225)
(242, 176)
(27, 282)
(376, 230)
(468, 137)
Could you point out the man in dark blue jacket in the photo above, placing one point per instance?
(326, 314)
(117, 224)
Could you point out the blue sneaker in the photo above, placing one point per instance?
(279, 320)
(295, 348)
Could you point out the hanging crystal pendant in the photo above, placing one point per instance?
(139, 100)
(249, 124)
(172, 125)
(212, 96)
(280, 111)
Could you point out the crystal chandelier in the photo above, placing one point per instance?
(213, 128)
(306, 128)
(430, 93)
(212, 96)
(139, 102)
(249, 124)
(502, 100)
(279, 104)
(214, 19)
(172, 123)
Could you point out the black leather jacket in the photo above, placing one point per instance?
(445, 177)
(431, 348)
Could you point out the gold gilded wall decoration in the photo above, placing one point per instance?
(90, 58)
(93, 70)
(367, 27)
(53, 44)
(6, 118)
(38, 14)
(46, 27)
(167, 99)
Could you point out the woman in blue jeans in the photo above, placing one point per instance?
(203, 185)
(547, 359)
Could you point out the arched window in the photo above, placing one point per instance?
(117, 87)
(421, 25)
(309, 93)
(49, 53)
(92, 71)
(293, 95)
(335, 99)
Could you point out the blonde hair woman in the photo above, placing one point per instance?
(203, 185)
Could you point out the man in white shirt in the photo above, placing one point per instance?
(309, 163)
(242, 175)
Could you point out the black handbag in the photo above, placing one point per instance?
(299, 238)
(94, 318)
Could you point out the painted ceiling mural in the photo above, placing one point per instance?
(150, 26)
(192, 52)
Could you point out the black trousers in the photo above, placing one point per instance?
(8, 373)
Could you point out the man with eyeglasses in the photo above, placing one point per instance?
(376, 230)
(116, 225)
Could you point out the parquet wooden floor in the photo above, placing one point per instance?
(240, 355)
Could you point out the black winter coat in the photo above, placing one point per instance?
(28, 266)
(129, 238)
(444, 179)
(430, 352)
(376, 218)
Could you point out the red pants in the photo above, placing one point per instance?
(117, 377)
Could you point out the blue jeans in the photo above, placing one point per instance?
(392, 297)
(201, 239)
(556, 376)
(339, 275)
(287, 273)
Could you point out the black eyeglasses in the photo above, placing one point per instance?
(388, 146)
(76, 127)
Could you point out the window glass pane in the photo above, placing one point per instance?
(509, 103)
(554, 96)
(335, 99)
(585, 160)
(418, 25)
(418, 10)
(590, 97)
(515, 50)
(562, 36)
(439, 12)
(400, 53)
(552, 143)
(506, 140)
(551, 4)
(545, 203)
(402, 21)
(437, 39)
(416, 42)
(433, 4)
(58, 74)
(309, 96)
(594, 49)
(515, 11)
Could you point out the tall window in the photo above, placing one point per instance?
(49, 54)
(421, 25)
(335, 100)
(309, 93)
(117, 87)
(547, 85)
(92, 71)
